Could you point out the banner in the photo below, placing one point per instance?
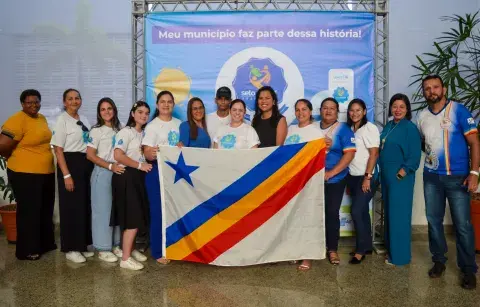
(310, 55)
(243, 207)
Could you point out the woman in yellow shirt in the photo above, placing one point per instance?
(25, 141)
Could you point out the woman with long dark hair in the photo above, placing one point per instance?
(129, 201)
(70, 138)
(100, 152)
(193, 132)
(270, 125)
(162, 130)
(360, 179)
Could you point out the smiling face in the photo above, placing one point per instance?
(303, 113)
(140, 115)
(222, 103)
(165, 105)
(237, 112)
(265, 101)
(399, 110)
(72, 102)
(31, 105)
(106, 111)
(329, 112)
(356, 112)
(198, 111)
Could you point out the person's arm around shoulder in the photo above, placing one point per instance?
(92, 147)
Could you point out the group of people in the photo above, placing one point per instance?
(108, 179)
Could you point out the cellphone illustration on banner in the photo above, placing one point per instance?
(341, 87)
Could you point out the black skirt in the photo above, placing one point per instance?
(75, 207)
(130, 208)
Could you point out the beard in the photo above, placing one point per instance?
(434, 99)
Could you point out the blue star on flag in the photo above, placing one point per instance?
(182, 170)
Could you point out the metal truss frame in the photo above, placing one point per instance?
(140, 8)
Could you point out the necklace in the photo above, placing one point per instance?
(386, 136)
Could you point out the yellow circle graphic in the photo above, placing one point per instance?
(175, 81)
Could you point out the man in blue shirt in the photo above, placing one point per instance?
(451, 172)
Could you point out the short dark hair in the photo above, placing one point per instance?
(136, 105)
(157, 112)
(29, 92)
(307, 103)
(362, 104)
(432, 77)
(403, 98)
(332, 100)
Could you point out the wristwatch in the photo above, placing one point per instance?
(400, 177)
(368, 176)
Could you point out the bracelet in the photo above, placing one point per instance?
(110, 167)
(474, 173)
(139, 165)
(67, 176)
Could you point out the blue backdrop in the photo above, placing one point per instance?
(310, 55)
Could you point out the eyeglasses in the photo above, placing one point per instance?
(198, 108)
(84, 128)
(32, 102)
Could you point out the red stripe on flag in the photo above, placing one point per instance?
(237, 232)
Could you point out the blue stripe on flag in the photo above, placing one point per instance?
(231, 194)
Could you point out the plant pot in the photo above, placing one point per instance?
(475, 211)
(9, 220)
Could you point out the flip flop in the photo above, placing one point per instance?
(163, 260)
(304, 267)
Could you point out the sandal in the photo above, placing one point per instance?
(163, 260)
(333, 258)
(305, 266)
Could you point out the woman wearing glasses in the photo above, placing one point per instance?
(70, 138)
(193, 132)
(24, 140)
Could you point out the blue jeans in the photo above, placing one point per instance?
(103, 235)
(436, 189)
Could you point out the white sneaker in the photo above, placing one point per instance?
(107, 256)
(118, 251)
(88, 254)
(138, 256)
(76, 257)
(131, 264)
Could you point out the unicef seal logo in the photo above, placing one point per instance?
(341, 94)
(293, 139)
(173, 138)
(250, 69)
(253, 75)
(228, 141)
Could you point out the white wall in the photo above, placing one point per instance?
(413, 26)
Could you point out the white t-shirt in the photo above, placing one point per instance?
(297, 135)
(129, 141)
(68, 135)
(214, 122)
(241, 137)
(159, 132)
(103, 140)
(366, 137)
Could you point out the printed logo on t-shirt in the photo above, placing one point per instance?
(431, 159)
(293, 139)
(471, 121)
(352, 140)
(113, 141)
(53, 132)
(173, 138)
(120, 142)
(228, 141)
(85, 137)
(90, 140)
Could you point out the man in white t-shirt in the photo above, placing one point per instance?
(221, 117)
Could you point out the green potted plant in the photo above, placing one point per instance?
(9, 211)
(456, 59)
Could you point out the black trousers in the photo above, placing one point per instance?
(333, 201)
(35, 196)
(75, 207)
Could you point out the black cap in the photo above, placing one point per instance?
(224, 92)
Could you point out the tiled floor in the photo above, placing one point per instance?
(53, 281)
